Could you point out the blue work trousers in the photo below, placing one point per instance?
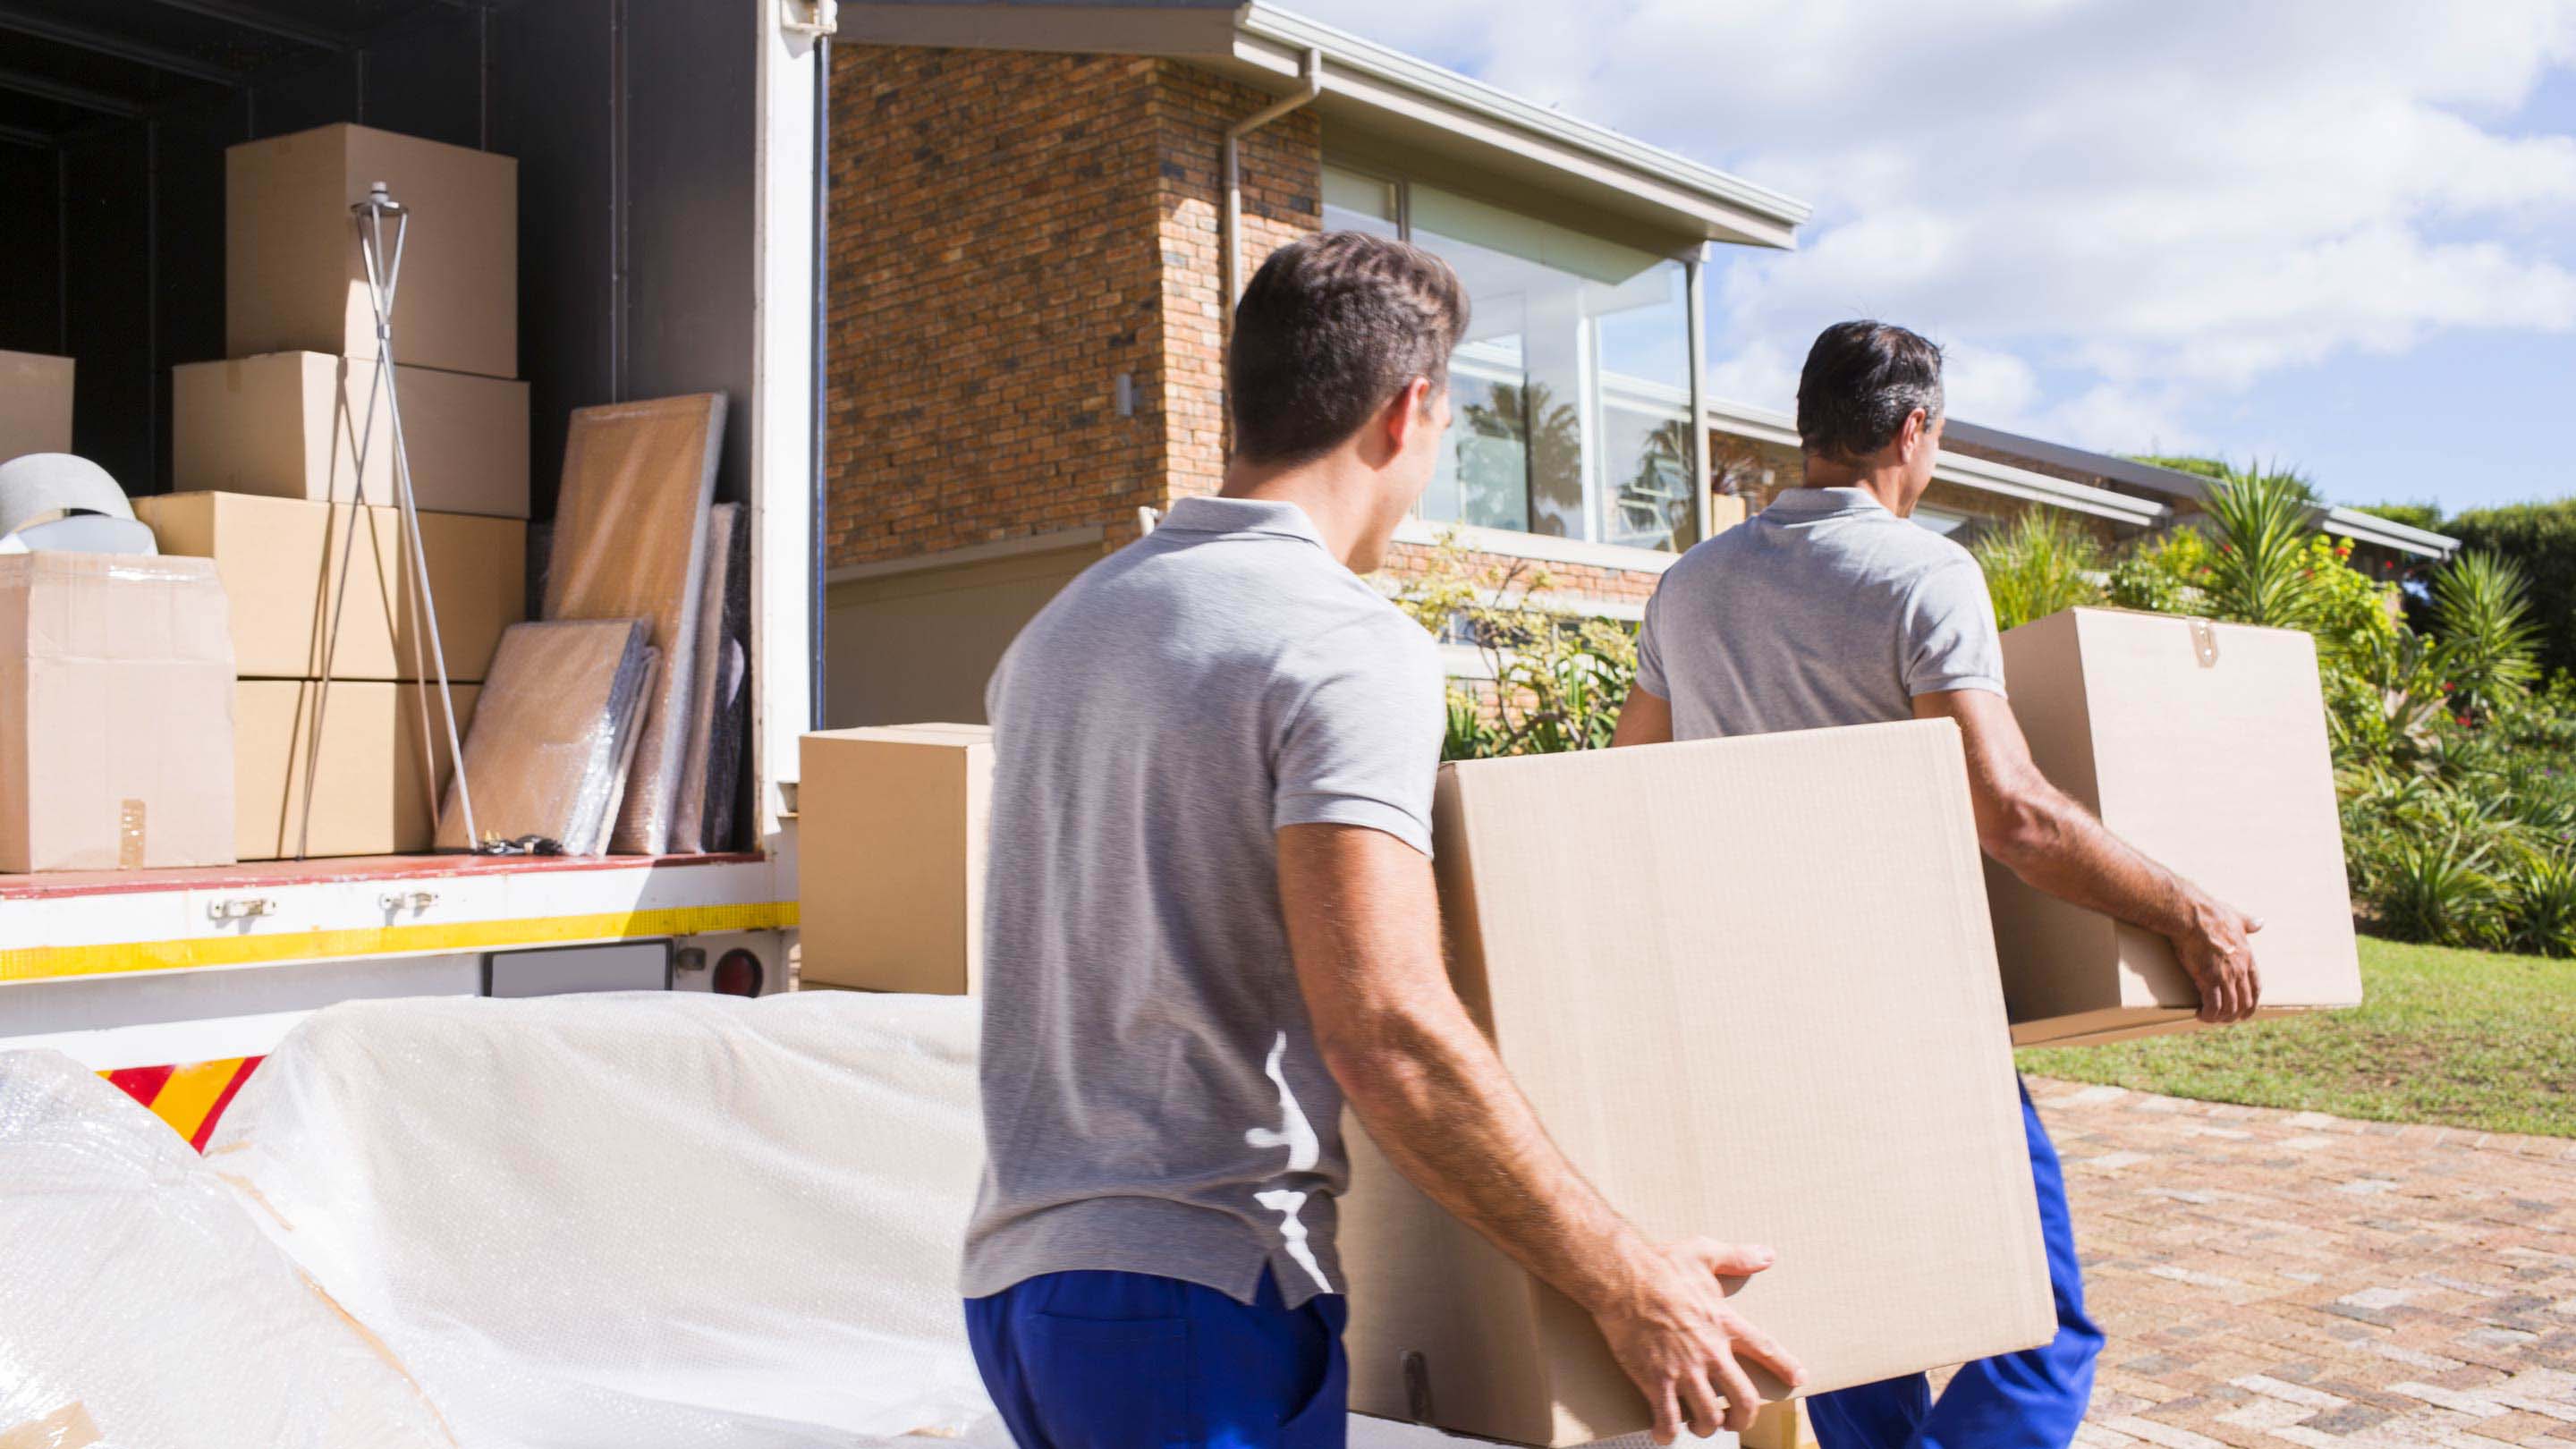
(2034, 1399)
(1098, 1360)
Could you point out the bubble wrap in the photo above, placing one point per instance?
(142, 1308)
(660, 1219)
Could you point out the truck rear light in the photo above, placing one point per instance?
(738, 973)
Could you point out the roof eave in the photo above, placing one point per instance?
(1731, 208)
(1744, 420)
(1377, 88)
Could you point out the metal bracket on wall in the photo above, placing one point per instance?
(810, 17)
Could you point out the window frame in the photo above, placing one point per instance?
(1597, 501)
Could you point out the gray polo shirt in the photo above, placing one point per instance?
(1823, 609)
(1153, 1100)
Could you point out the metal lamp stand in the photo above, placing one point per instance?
(384, 272)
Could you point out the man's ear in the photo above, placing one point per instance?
(1914, 435)
(1408, 410)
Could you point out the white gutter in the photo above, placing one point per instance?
(1764, 425)
(1364, 59)
(2388, 533)
(2022, 483)
(1313, 71)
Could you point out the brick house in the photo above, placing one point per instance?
(1028, 272)
(1029, 269)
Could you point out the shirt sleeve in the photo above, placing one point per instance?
(1949, 639)
(1650, 654)
(1363, 744)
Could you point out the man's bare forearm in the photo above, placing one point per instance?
(1440, 1106)
(2064, 851)
(1421, 1077)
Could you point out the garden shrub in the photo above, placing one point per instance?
(2541, 539)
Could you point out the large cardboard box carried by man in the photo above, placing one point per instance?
(2203, 745)
(116, 713)
(1750, 988)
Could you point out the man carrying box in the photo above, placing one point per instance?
(1212, 915)
(1829, 608)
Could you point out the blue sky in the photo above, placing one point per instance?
(2338, 234)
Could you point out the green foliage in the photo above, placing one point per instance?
(2167, 574)
(1559, 676)
(2472, 839)
(2439, 891)
(2183, 463)
(2266, 570)
(2482, 613)
(2541, 538)
(2038, 565)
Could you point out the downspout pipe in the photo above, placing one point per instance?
(1313, 74)
(817, 609)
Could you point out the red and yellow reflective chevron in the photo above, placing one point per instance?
(190, 1098)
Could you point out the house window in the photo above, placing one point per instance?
(1571, 392)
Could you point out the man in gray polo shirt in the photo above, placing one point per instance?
(1830, 608)
(1210, 916)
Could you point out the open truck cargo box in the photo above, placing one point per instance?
(660, 249)
(1762, 1062)
(2203, 745)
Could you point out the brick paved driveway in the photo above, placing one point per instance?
(2271, 1278)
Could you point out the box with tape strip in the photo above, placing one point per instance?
(2204, 745)
(116, 713)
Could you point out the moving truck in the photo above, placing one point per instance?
(668, 210)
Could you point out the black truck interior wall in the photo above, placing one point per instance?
(633, 122)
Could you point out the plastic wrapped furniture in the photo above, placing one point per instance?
(142, 1308)
(661, 1219)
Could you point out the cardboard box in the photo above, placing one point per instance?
(280, 560)
(288, 425)
(293, 277)
(1811, 1056)
(35, 404)
(116, 713)
(377, 741)
(890, 857)
(2203, 745)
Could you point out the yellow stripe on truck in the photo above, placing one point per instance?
(39, 963)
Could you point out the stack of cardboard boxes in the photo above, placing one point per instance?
(266, 459)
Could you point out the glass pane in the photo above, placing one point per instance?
(1572, 391)
(1353, 202)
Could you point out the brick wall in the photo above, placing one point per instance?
(1010, 231)
(1282, 177)
(992, 271)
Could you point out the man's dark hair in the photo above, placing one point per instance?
(1331, 327)
(1861, 380)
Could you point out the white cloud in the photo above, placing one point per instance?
(2116, 214)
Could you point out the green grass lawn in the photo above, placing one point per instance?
(2460, 1038)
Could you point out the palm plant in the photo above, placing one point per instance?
(2438, 889)
(2482, 614)
(2038, 565)
(2541, 896)
(2264, 572)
